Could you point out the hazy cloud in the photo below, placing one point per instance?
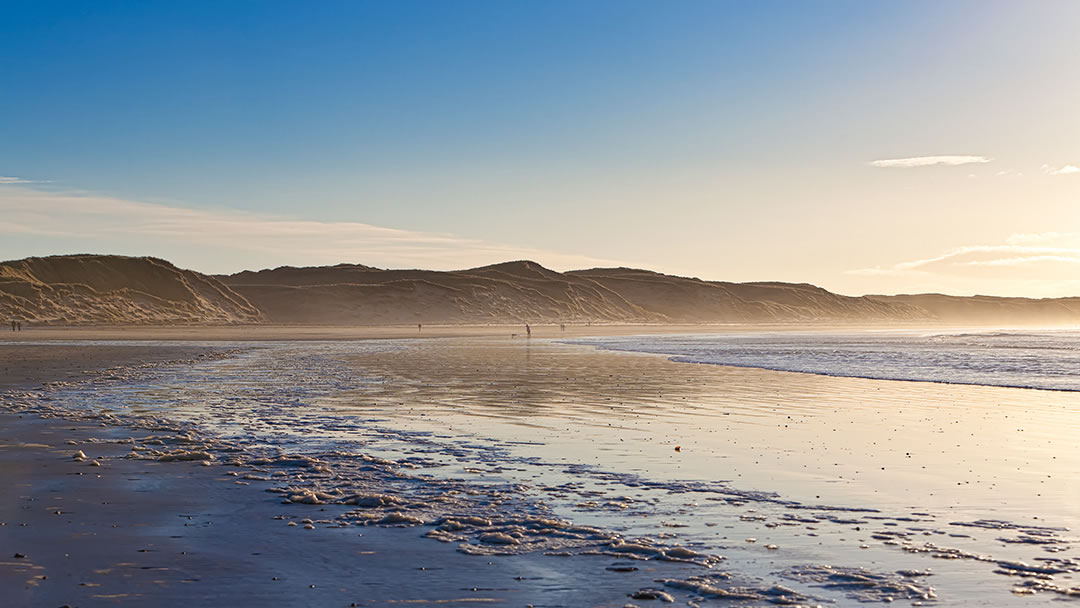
(928, 161)
(1030, 259)
(992, 255)
(1062, 170)
(1043, 256)
(13, 180)
(1041, 237)
(273, 239)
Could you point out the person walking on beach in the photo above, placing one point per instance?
(13, 326)
(528, 331)
(419, 327)
(19, 325)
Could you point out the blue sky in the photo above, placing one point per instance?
(727, 140)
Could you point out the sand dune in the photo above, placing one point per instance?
(102, 289)
(82, 289)
(511, 292)
(991, 310)
(688, 300)
(525, 291)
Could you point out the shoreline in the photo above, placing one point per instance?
(280, 332)
(144, 541)
(136, 532)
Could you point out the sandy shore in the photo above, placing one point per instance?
(778, 472)
(259, 333)
(136, 532)
(30, 365)
(145, 533)
(241, 333)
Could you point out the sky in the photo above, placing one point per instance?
(865, 147)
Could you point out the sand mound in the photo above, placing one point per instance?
(74, 289)
(524, 291)
(991, 310)
(100, 289)
(690, 300)
(512, 292)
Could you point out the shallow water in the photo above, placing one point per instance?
(838, 489)
(1047, 359)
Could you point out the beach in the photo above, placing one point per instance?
(553, 473)
(550, 305)
(136, 532)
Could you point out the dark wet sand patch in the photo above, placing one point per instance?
(81, 524)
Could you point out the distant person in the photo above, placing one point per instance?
(19, 325)
(528, 331)
(419, 327)
(562, 326)
(13, 326)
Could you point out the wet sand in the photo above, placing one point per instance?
(972, 482)
(788, 475)
(177, 534)
(128, 532)
(281, 332)
(30, 365)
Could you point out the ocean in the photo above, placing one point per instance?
(1047, 360)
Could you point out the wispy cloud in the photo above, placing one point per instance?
(1062, 170)
(1026, 238)
(992, 255)
(14, 180)
(1028, 259)
(928, 161)
(88, 218)
(1036, 256)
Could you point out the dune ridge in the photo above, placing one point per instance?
(524, 291)
(990, 310)
(108, 289)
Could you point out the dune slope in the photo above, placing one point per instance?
(525, 291)
(689, 300)
(106, 289)
(991, 310)
(79, 289)
(511, 292)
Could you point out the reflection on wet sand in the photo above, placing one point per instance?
(809, 486)
(937, 455)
